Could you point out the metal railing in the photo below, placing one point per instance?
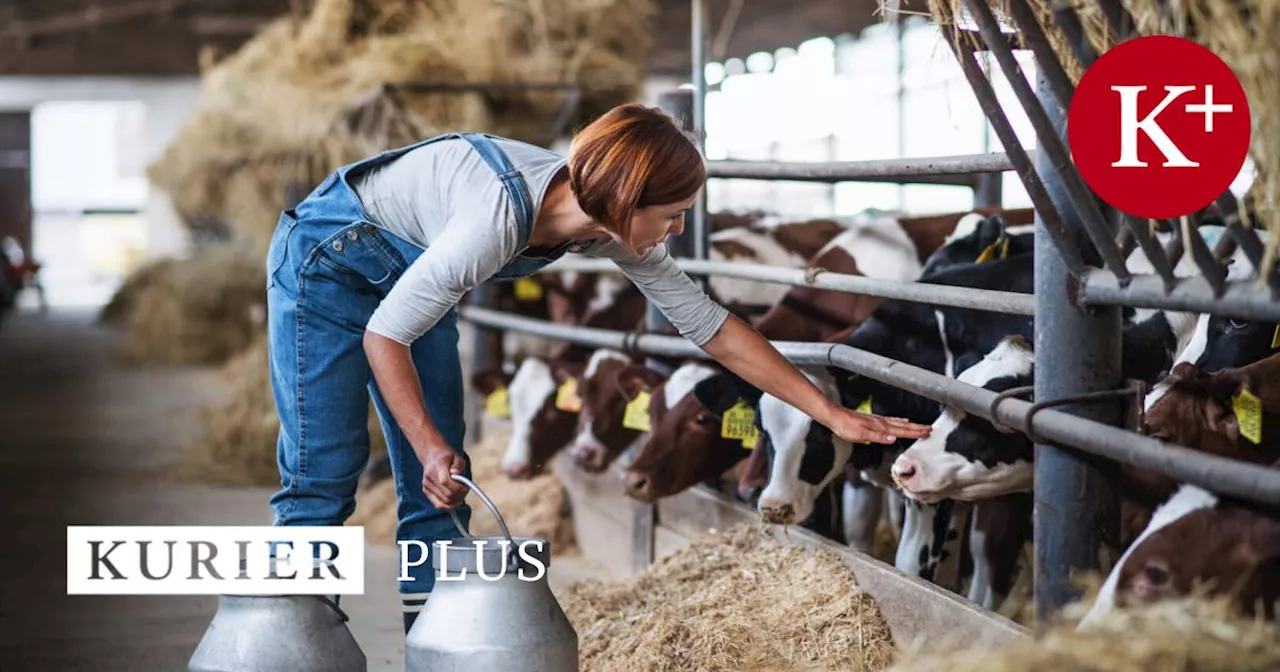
(1081, 281)
(1223, 475)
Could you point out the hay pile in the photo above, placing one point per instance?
(1241, 32)
(534, 508)
(736, 600)
(200, 310)
(238, 438)
(309, 92)
(1189, 635)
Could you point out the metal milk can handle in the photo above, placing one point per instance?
(502, 525)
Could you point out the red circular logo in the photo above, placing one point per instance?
(1159, 127)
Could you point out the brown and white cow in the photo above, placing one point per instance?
(1199, 540)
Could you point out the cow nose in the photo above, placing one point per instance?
(638, 486)
(904, 471)
(589, 459)
(778, 513)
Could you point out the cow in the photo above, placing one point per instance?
(862, 248)
(966, 457)
(1198, 539)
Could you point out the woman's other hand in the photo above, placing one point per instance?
(856, 427)
(438, 465)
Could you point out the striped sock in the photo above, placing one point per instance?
(412, 604)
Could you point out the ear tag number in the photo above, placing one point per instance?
(738, 421)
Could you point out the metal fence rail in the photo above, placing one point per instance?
(1222, 475)
(1013, 303)
(959, 170)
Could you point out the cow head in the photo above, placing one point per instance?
(539, 429)
(685, 445)
(804, 456)
(609, 384)
(1226, 549)
(966, 457)
(1232, 342)
(977, 239)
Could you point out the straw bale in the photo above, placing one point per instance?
(1188, 635)
(537, 507)
(308, 93)
(122, 303)
(733, 600)
(200, 310)
(238, 438)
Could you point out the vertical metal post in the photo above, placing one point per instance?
(699, 227)
(990, 190)
(485, 346)
(900, 35)
(679, 104)
(1077, 351)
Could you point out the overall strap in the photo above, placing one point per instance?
(512, 181)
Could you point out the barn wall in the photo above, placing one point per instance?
(169, 102)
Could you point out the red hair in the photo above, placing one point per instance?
(633, 157)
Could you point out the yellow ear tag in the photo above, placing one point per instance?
(1275, 338)
(1248, 409)
(567, 396)
(528, 289)
(865, 407)
(496, 403)
(988, 253)
(637, 414)
(749, 442)
(738, 421)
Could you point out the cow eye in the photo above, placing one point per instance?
(703, 418)
(1156, 574)
(1234, 324)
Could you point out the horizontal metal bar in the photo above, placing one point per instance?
(1228, 477)
(959, 170)
(1245, 299)
(1013, 303)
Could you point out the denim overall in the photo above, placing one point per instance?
(328, 268)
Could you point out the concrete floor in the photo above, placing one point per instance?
(86, 441)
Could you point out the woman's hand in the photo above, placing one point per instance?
(745, 352)
(856, 427)
(438, 464)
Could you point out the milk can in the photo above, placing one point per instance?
(491, 608)
(278, 633)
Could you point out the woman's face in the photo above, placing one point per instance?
(651, 225)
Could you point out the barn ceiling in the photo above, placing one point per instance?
(164, 37)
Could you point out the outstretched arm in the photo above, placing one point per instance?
(745, 352)
(742, 349)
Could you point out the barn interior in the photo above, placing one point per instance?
(148, 148)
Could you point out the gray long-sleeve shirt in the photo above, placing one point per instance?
(446, 199)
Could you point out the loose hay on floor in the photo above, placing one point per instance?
(736, 600)
(534, 508)
(1190, 635)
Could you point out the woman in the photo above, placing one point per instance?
(365, 273)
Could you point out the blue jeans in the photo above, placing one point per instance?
(328, 268)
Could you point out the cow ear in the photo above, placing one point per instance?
(1220, 419)
(562, 371)
(720, 392)
(486, 382)
(635, 377)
